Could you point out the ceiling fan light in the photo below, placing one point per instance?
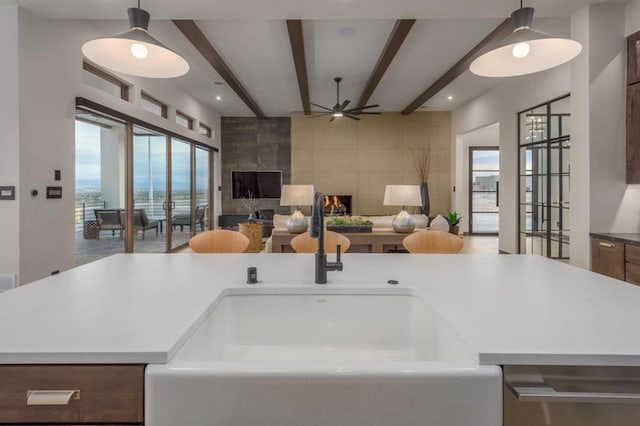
(337, 114)
(525, 51)
(135, 52)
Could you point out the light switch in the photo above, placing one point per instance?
(7, 192)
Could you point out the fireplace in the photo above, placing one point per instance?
(337, 205)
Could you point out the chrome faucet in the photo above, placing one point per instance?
(317, 231)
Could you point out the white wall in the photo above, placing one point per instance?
(9, 135)
(50, 70)
(485, 136)
(599, 115)
(501, 105)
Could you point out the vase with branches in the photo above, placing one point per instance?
(249, 203)
(422, 163)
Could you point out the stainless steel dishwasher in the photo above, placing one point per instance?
(571, 396)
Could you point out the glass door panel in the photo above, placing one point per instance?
(202, 190)
(180, 203)
(100, 187)
(544, 180)
(484, 194)
(149, 191)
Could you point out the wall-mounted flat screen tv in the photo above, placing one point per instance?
(261, 184)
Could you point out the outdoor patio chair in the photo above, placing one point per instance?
(108, 220)
(142, 223)
(184, 219)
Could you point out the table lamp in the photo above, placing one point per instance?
(402, 195)
(297, 195)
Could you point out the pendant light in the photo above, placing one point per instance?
(136, 52)
(525, 51)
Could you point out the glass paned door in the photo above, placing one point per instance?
(149, 191)
(180, 203)
(544, 173)
(484, 190)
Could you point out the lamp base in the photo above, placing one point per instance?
(403, 223)
(297, 223)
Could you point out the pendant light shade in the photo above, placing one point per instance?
(136, 52)
(525, 51)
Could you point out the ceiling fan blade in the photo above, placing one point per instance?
(366, 113)
(353, 117)
(318, 115)
(333, 117)
(344, 104)
(361, 108)
(320, 106)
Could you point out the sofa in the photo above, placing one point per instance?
(380, 223)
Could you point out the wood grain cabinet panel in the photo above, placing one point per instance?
(632, 253)
(633, 134)
(632, 273)
(607, 258)
(633, 58)
(109, 394)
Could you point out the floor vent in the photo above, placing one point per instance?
(7, 282)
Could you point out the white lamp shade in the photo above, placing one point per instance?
(115, 53)
(544, 54)
(297, 195)
(402, 195)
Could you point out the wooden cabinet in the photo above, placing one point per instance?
(616, 258)
(633, 134)
(104, 394)
(607, 258)
(633, 58)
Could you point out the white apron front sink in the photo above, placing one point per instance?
(323, 359)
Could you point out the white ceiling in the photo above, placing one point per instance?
(344, 39)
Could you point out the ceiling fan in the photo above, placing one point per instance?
(339, 109)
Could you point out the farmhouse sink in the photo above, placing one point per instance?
(365, 358)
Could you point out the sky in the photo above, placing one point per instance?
(88, 161)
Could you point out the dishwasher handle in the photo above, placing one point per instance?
(545, 393)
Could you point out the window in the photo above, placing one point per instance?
(153, 105)
(184, 120)
(101, 80)
(205, 130)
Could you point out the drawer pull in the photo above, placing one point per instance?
(538, 393)
(607, 245)
(51, 397)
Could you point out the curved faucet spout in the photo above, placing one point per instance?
(317, 231)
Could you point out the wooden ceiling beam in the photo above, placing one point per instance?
(394, 42)
(296, 39)
(190, 29)
(498, 34)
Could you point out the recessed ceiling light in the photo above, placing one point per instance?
(218, 98)
(450, 97)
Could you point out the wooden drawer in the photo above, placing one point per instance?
(632, 253)
(607, 258)
(633, 273)
(107, 393)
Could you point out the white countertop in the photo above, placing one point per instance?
(141, 308)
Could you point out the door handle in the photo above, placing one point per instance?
(607, 245)
(497, 193)
(545, 393)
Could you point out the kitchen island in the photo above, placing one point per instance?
(142, 308)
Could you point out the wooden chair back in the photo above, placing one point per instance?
(433, 241)
(303, 243)
(219, 241)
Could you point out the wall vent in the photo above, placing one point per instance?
(7, 282)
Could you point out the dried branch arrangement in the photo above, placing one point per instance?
(249, 203)
(422, 161)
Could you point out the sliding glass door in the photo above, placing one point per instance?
(137, 190)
